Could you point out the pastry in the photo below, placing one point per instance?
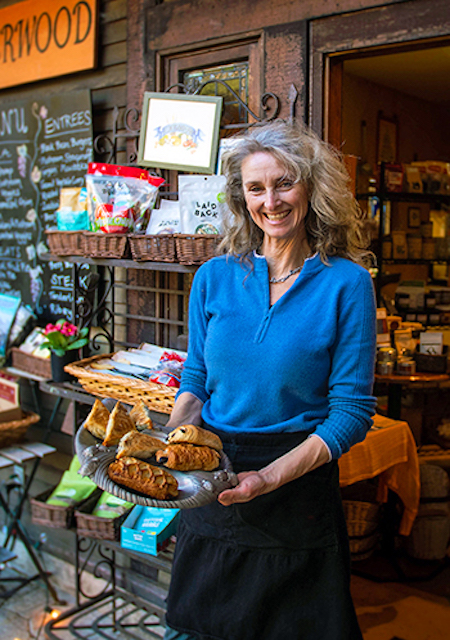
(119, 424)
(140, 414)
(143, 477)
(97, 420)
(188, 433)
(188, 457)
(137, 444)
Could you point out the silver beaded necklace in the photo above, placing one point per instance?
(284, 278)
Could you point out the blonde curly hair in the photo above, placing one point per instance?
(334, 222)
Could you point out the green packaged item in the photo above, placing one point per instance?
(72, 488)
(109, 506)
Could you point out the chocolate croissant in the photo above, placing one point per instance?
(139, 445)
(188, 457)
(190, 434)
(144, 477)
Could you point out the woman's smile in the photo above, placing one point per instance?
(276, 203)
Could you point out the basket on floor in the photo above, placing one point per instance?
(362, 519)
(430, 533)
(158, 397)
(65, 243)
(196, 248)
(106, 245)
(96, 527)
(55, 516)
(14, 431)
(159, 248)
(41, 367)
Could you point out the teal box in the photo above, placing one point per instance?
(146, 529)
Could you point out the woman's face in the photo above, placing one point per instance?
(277, 204)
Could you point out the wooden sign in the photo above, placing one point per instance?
(46, 38)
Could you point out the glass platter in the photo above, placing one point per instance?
(195, 488)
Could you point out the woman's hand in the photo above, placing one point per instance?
(309, 455)
(251, 484)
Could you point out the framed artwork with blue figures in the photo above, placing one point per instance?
(180, 131)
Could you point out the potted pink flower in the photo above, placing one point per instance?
(63, 339)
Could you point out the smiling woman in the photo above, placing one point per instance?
(300, 330)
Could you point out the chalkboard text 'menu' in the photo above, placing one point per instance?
(37, 33)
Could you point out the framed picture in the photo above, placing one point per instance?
(387, 138)
(413, 217)
(180, 131)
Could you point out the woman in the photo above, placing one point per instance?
(280, 365)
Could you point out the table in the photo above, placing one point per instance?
(389, 452)
(396, 382)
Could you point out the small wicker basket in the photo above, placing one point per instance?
(159, 248)
(362, 520)
(106, 245)
(14, 431)
(158, 397)
(58, 517)
(196, 248)
(66, 243)
(92, 526)
(41, 367)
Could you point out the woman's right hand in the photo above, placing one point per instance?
(187, 410)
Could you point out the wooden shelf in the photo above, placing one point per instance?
(127, 264)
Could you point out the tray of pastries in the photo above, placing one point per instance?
(126, 454)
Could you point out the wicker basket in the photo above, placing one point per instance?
(106, 245)
(160, 248)
(66, 243)
(31, 364)
(92, 526)
(362, 520)
(57, 517)
(196, 248)
(14, 431)
(157, 397)
(429, 538)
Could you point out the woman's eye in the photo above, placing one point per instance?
(255, 189)
(286, 184)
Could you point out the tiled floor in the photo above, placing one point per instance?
(386, 611)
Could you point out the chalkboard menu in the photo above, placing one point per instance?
(45, 145)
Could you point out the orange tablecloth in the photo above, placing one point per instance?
(389, 452)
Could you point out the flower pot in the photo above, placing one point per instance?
(58, 364)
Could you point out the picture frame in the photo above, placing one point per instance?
(414, 217)
(180, 132)
(387, 138)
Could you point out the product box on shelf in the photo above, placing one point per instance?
(9, 399)
(148, 529)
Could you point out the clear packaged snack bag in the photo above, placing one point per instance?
(120, 198)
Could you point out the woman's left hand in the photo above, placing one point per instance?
(251, 484)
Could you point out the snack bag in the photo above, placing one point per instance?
(120, 198)
(169, 369)
(166, 219)
(108, 506)
(202, 203)
(72, 214)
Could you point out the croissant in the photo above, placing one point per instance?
(188, 457)
(119, 424)
(97, 420)
(140, 414)
(143, 477)
(137, 444)
(188, 433)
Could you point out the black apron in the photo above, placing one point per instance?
(275, 568)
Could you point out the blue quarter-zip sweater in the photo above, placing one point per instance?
(305, 363)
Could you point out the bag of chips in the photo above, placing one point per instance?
(120, 198)
(202, 203)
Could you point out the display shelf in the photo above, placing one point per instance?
(126, 264)
(115, 615)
